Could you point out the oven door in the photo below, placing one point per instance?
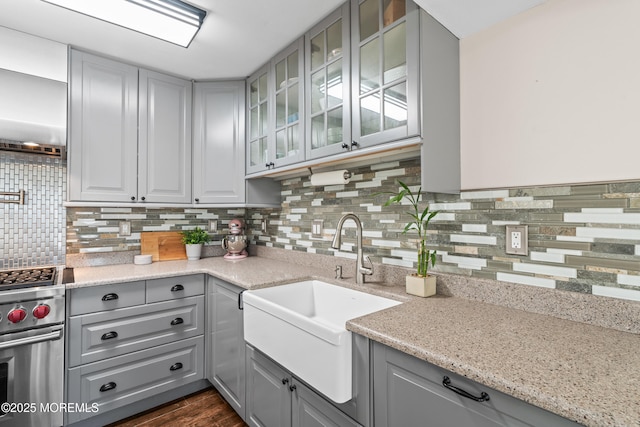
(31, 377)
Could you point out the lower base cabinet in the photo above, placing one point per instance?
(226, 358)
(277, 399)
(410, 392)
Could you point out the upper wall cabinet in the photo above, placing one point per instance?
(164, 142)
(103, 136)
(275, 95)
(385, 71)
(108, 160)
(218, 142)
(327, 82)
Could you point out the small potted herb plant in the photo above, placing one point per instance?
(193, 240)
(419, 283)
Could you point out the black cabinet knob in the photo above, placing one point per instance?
(355, 144)
(133, 197)
(345, 146)
(197, 200)
(177, 321)
(143, 198)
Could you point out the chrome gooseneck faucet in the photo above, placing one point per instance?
(361, 270)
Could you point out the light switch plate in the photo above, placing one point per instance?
(124, 228)
(517, 239)
(316, 228)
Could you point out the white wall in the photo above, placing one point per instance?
(552, 96)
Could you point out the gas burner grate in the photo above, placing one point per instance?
(29, 277)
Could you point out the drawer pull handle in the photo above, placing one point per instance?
(177, 321)
(175, 366)
(447, 383)
(109, 336)
(110, 297)
(107, 386)
(177, 288)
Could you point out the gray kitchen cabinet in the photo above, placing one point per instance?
(164, 140)
(119, 381)
(103, 132)
(275, 398)
(110, 158)
(219, 142)
(226, 358)
(328, 85)
(411, 392)
(385, 71)
(275, 109)
(133, 346)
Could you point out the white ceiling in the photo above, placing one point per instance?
(237, 37)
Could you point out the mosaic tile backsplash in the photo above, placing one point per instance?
(32, 234)
(582, 238)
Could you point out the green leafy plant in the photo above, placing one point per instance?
(420, 223)
(195, 236)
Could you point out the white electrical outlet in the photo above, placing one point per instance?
(517, 239)
(213, 226)
(316, 228)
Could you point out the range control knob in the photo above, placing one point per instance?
(41, 311)
(17, 315)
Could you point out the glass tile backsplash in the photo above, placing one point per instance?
(32, 234)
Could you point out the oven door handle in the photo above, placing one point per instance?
(51, 336)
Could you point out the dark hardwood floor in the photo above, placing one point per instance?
(205, 408)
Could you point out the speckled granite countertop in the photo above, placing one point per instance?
(585, 373)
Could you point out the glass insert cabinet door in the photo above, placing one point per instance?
(257, 120)
(328, 112)
(385, 82)
(288, 104)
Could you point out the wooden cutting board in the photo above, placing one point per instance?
(162, 245)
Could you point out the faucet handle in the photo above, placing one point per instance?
(366, 270)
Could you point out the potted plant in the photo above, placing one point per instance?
(419, 283)
(193, 240)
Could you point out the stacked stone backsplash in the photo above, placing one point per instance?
(93, 239)
(32, 234)
(582, 238)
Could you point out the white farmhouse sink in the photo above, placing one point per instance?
(302, 327)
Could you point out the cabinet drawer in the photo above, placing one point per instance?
(174, 287)
(126, 379)
(109, 297)
(98, 336)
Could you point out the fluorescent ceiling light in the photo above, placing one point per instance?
(170, 20)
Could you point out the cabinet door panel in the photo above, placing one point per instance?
(386, 71)
(310, 410)
(327, 108)
(103, 136)
(218, 149)
(268, 395)
(227, 369)
(165, 138)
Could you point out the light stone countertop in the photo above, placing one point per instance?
(583, 372)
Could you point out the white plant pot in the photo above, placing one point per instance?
(421, 286)
(194, 251)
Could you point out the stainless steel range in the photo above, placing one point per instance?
(32, 313)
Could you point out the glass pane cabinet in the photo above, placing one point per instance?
(257, 118)
(385, 71)
(328, 106)
(274, 122)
